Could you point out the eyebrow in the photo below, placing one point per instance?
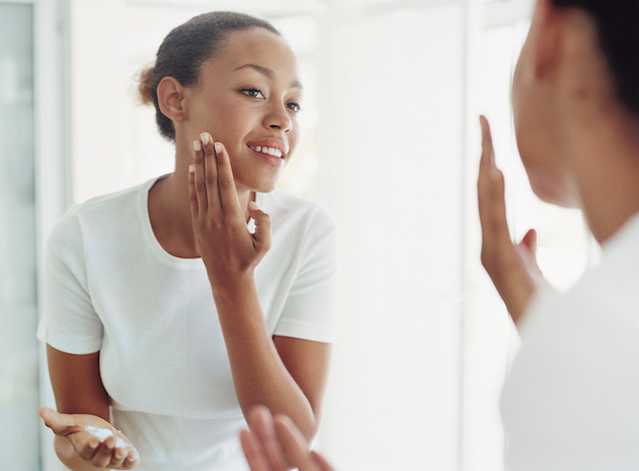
(267, 72)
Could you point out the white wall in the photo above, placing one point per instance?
(392, 155)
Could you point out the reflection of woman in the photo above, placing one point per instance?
(168, 316)
(570, 402)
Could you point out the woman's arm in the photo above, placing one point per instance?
(286, 375)
(290, 384)
(82, 401)
(77, 389)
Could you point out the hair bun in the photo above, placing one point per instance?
(145, 85)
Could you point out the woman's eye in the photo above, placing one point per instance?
(253, 92)
(295, 107)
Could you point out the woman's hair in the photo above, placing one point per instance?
(184, 50)
(616, 22)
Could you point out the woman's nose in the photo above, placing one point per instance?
(279, 119)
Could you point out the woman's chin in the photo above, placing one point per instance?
(554, 193)
(258, 185)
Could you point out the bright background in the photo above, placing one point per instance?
(390, 148)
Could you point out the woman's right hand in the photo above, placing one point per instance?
(112, 452)
(512, 267)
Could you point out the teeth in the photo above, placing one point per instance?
(268, 150)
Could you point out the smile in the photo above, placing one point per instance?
(272, 151)
(270, 155)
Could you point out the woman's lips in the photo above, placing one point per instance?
(275, 151)
(265, 154)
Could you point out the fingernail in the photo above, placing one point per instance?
(191, 168)
(252, 205)
(197, 145)
(218, 147)
(206, 137)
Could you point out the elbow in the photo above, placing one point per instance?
(311, 432)
(309, 428)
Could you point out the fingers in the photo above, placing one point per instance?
(104, 454)
(491, 192)
(111, 454)
(213, 181)
(530, 241)
(195, 210)
(262, 236)
(119, 455)
(60, 424)
(226, 185)
(277, 444)
(253, 451)
(527, 248)
(261, 423)
(115, 451)
(321, 462)
(85, 445)
(488, 149)
(131, 459)
(211, 177)
(198, 172)
(295, 445)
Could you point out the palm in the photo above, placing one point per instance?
(512, 268)
(113, 448)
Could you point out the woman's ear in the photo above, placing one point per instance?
(546, 37)
(171, 98)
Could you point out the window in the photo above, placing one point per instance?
(19, 399)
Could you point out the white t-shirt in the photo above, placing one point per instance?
(571, 401)
(112, 287)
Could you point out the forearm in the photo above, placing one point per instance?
(259, 374)
(68, 456)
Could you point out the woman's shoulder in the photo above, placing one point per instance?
(70, 225)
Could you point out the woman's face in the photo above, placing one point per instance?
(538, 118)
(248, 97)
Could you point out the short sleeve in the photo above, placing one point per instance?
(308, 309)
(69, 322)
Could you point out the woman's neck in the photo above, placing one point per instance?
(606, 167)
(170, 211)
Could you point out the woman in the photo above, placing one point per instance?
(570, 402)
(168, 317)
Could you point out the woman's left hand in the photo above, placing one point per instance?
(224, 242)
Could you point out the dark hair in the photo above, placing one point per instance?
(184, 50)
(616, 22)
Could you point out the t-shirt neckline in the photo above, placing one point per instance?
(152, 243)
